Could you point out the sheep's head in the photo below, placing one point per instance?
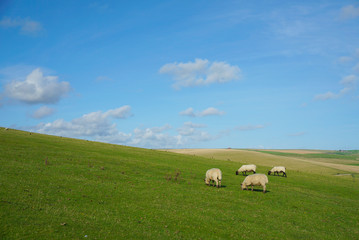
(237, 172)
(206, 180)
(269, 172)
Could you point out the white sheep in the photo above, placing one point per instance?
(278, 169)
(214, 175)
(255, 180)
(247, 168)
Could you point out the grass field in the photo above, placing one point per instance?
(61, 188)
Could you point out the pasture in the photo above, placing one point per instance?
(60, 188)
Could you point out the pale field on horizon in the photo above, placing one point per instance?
(331, 166)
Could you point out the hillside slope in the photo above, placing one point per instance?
(60, 188)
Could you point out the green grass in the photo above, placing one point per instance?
(60, 188)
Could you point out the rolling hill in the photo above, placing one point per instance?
(61, 188)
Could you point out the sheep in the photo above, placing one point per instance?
(278, 169)
(214, 175)
(247, 168)
(255, 180)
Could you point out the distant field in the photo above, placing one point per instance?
(299, 151)
(307, 160)
(61, 188)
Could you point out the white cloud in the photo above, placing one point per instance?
(200, 72)
(27, 26)
(155, 137)
(211, 111)
(37, 88)
(100, 126)
(349, 12)
(95, 124)
(160, 137)
(42, 112)
(188, 112)
(349, 83)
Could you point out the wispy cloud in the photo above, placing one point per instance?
(103, 79)
(200, 72)
(191, 133)
(345, 59)
(356, 68)
(211, 111)
(189, 128)
(26, 25)
(348, 83)
(42, 112)
(326, 96)
(349, 12)
(99, 6)
(293, 29)
(297, 134)
(249, 127)
(37, 88)
(349, 59)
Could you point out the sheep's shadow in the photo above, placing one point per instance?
(222, 186)
(256, 190)
(245, 174)
(277, 176)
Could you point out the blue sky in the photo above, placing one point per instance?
(183, 74)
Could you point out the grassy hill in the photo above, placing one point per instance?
(61, 188)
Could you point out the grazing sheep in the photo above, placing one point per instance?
(247, 168)
(278, 169)
(255, 180)
(214, 175)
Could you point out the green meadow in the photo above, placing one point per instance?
(61, 188)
